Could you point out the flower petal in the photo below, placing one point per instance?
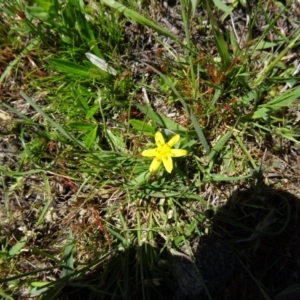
(159, 139)
(174, 140)
(178, 152)
(168, 163)
(154, 165)
(149, 152)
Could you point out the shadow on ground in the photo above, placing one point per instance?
(261, 226)
(252, 253)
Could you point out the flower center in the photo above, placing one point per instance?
(163, 152)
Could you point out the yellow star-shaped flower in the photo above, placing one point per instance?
(164, 152)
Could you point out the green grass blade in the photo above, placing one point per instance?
(246, 152)
(131, 14)
(17, 247)
(220, 42)
(187, 109)
(222, 6)
(283, 100)
(53, 123)
(5, 296)
(219, 145)
(218, 177)
(161, 120)
(69, 67)
(69, 260)
(9, 68)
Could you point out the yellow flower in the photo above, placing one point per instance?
(164, 152)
